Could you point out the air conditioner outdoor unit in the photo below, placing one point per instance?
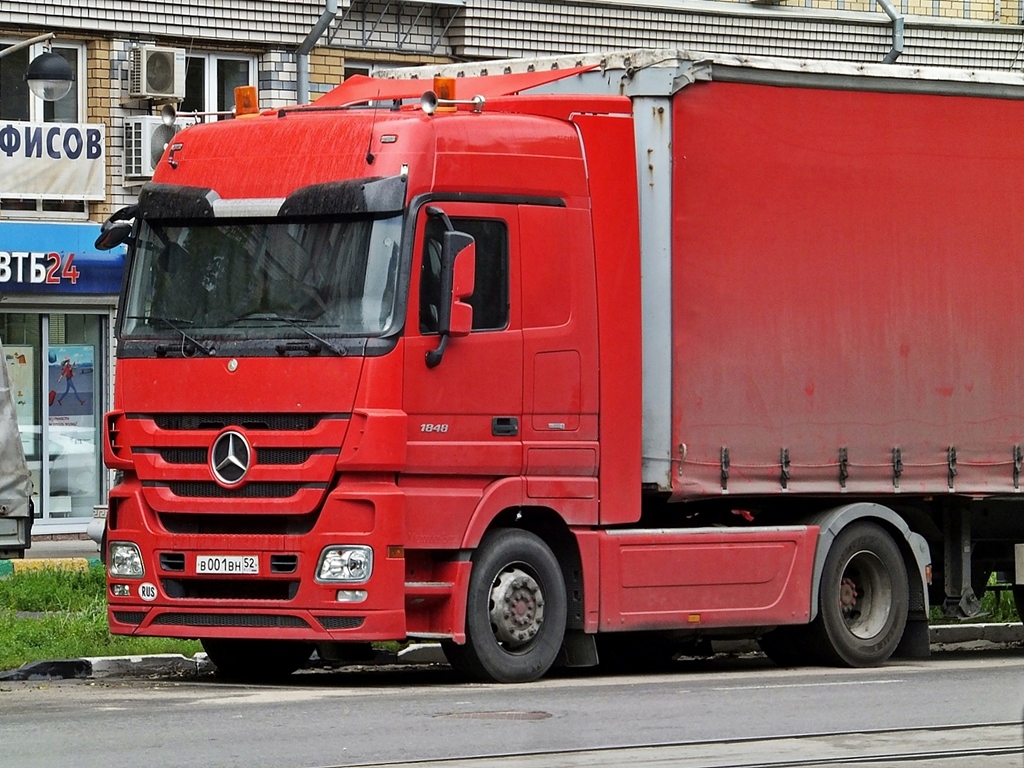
(156, 73)
(145, 138)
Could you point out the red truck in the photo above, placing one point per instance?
(594, 362)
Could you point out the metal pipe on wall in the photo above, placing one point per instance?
(302, 52)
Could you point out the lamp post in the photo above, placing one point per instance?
(49, 75)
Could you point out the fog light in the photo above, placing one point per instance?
(351, 595)
(120, 590)
(124, 560)
(345, 563)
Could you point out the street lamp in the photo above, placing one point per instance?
(49, 75)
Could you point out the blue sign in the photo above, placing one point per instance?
(57, 259)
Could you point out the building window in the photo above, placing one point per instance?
(211, 79)
(358, 68)
(19, 104)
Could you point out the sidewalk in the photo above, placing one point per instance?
(59, 549)
(62, 553)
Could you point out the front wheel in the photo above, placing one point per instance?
(515, 612)
(863, 599)
(256, 660)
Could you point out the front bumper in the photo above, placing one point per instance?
(283, 600)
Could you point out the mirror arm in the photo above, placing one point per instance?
(433, 210)
(433, 356)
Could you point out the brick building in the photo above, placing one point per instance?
(98, 144)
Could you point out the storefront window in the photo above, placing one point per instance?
(74, 395)
(55, 361)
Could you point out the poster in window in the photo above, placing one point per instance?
(71, 380)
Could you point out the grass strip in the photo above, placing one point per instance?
(68, 619)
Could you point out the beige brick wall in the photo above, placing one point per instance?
(99, 109)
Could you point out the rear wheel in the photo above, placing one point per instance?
(863, 599)
(256, 660)
(515, 612)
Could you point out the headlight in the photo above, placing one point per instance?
(124, 560)
(351, 564)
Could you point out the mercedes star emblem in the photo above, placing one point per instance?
(230, 458)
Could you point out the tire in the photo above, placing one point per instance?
(787, 646)
(256, 660)
(863, 600)
(514, 568)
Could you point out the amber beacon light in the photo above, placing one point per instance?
(246, 104)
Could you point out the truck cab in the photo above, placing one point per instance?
(333, 379)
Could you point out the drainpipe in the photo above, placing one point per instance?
(302, 52)
(897, 32)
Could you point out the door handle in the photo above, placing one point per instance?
(504, 426)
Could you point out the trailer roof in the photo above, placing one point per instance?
(649, 71)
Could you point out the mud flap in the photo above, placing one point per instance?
(916, 643)
(578, 650)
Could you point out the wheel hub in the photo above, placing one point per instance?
(865, 595)
(517, 608)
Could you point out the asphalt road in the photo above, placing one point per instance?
(962, 708)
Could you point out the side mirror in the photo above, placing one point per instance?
(113, 234)
(117, 229)
(458, 276)
(463, 255)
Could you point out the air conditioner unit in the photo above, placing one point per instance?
(156, 73)
(145, 138)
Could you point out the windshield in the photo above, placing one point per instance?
(244, 276)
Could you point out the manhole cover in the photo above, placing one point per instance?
(496, 715)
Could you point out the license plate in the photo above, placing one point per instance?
(247, 565)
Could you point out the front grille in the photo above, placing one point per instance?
(206, 490)
(230, 589)
(184, 455)
(340, 622)
(238, 525)
(291, 422)
(172, 561)
(229, 620)
(284, 563)
(268, 456)
(129, 617)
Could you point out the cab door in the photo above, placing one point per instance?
(465, 414)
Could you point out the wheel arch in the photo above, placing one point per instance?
(552, 529)
(912, 546)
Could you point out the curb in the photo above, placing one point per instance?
(949, 634)
(172, 664)
(10, 567)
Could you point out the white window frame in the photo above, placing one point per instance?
(210, 60)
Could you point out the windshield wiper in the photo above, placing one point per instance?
(294, 322)
(175, 323)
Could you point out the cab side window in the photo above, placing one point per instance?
(491, 291)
